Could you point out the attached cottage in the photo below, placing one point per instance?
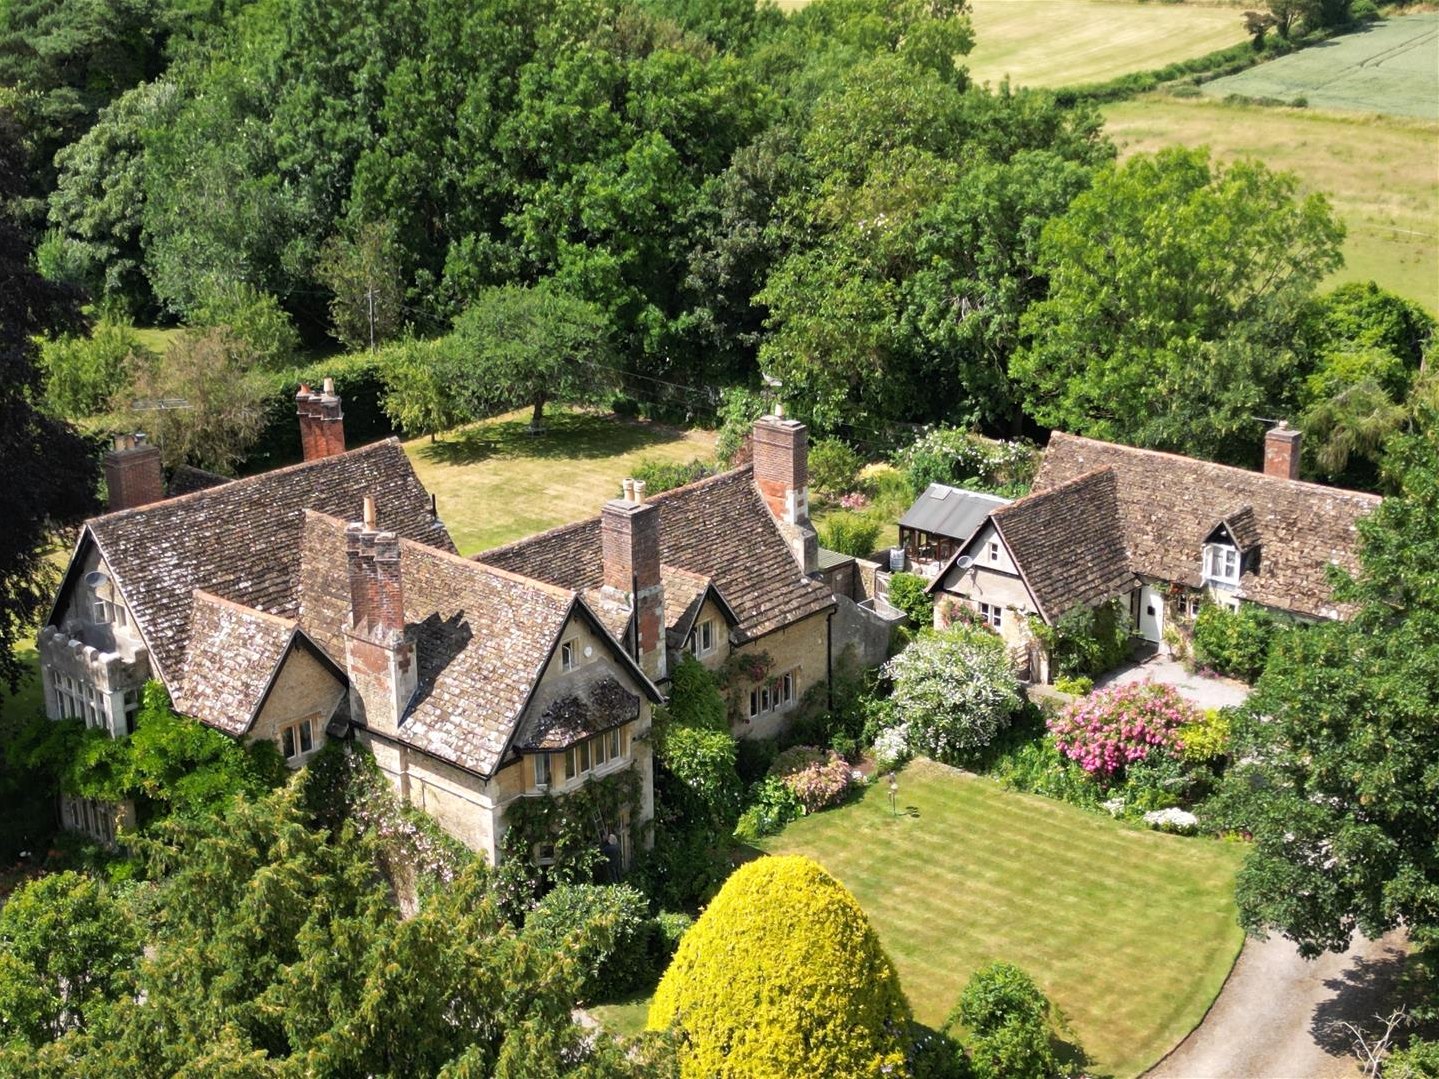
(326, 600)
(1161, 533)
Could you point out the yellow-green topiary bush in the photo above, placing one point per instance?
(783, 976)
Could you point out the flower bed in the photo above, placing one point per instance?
(1121, 725)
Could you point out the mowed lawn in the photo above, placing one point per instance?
(1381, 174)
(495, 482)
(1389, 67)
(1130, 932)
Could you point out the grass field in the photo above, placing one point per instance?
(1388, 67)
(1131, 933)
(1381, 173)
(1065, 42)
(494, 481)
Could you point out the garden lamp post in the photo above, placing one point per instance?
(893, 794)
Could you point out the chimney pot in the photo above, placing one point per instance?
(330, 386)
(640, 491)
(370, 515)
(629, 489)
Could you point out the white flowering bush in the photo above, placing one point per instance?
(1178, 821)
(891, 747)
(954, 690)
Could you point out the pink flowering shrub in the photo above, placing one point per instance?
(817, 778)
(1118, 726)
(854, 500)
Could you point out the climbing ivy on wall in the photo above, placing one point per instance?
(574, 824)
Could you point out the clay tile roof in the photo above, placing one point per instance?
(241, 540)
(233, 655)
(601, 706)
(719, 528)
(1169, 504)
(1068, 543)
(482, 636)
(1242, 528)
(187, 480)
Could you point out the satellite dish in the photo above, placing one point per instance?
(963, 562)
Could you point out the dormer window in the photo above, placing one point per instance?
(1221, 563)
(704, 637)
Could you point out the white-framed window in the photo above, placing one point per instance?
(704, 638)
(992, 614)
(297, 739)
(570, 654)
(775, 695)
(103, 612)
(1189, 604)
(994, 550)
(593, 754)
(1221, 563)
(542, 770)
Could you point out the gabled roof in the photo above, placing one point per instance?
(483, 637)
(187, 479)
(1168, 505)
(235, 653)
(685, 596)
(1068, 543)
(950, 511)
(1241, 528)
(241, 540)
(718, 528)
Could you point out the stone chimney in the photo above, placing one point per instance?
(322, 423)
(379, 653)
(630, 543)
(133, 475)
(1281, 452)
(781, 471)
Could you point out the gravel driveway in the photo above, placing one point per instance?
(1275, 1017)
(1159, 667)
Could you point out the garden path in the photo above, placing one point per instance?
(1206, 691)
(1277, 1016)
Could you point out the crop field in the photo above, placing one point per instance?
(1065, 42)
(1381, 174)
(1388, 67)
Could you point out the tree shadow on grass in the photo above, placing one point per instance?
(565, 435)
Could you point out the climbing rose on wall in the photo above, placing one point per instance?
(1118, 726)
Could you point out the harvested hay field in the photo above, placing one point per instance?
(1381, 174)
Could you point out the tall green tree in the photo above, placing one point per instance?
(520, 346)
(1343, 719)
(67, 948)
(1175, 289)
(362, 272)
(51, 471)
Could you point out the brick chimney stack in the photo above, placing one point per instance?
(322, 423)
(630, 543)
(781, 472)
(1281, 452)
(379, 652)
(133, 476)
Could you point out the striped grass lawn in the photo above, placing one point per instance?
(1131, 933)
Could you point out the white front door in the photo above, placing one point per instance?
(1151, 614)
